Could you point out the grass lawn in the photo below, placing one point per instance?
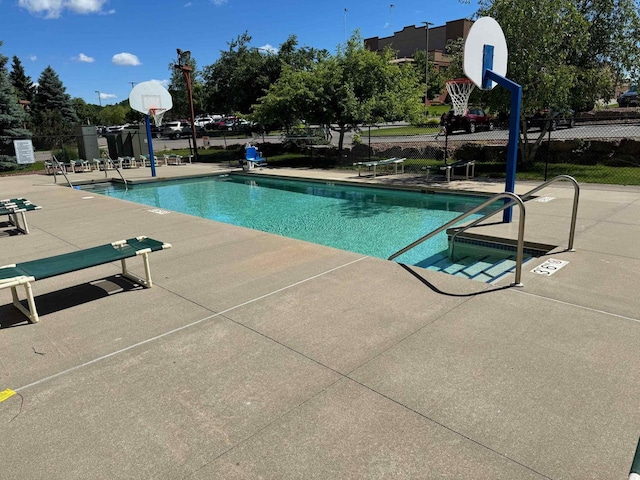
(406, 130)
(582, 173)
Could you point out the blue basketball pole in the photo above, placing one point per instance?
(152, 160)
(514, 122)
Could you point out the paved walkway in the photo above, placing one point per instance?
(257, 356)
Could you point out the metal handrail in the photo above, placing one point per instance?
(62, 170)
(529, 194)
(120, 173)
(519, 249)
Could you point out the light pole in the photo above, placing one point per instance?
(426, 64)
(185, 68)
(99, 98)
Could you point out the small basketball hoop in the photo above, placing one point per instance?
(459, 90)
(157, 114)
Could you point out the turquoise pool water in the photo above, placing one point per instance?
(372, 221)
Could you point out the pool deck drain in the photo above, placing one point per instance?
(259, 356)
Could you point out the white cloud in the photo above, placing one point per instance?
(125, 59)
(188, 4)
(55, 8)
(218, 3)
(268, 48)
(85, 6)
(107, 96)
(84, 58)
(33, 58)
(164, 83)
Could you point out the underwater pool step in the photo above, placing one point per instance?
(484, 269)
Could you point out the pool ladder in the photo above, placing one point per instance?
(515, 200)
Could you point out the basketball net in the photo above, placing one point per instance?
(459, 91)
(157, 114)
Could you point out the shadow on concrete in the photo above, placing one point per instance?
(66, 298)
(435, 289)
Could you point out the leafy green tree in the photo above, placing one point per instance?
(12, 115)
(25, 89)
(113, 114)
(243, 73)
(612, 50)
(565, 54)
(53, 115)
(354, 87)
(436, 79)
(88, 113)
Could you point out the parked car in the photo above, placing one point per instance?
(553, 118)
(115, 129)
(629, 99)
(204, 121)
(180, 129)
(472, 119)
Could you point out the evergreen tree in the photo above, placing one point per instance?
(53, 115)
(25, 89)
(12, 115)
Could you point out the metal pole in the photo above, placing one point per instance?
(426, 64)
(152, 160)
(182, 65)
(186, 71)
(99, 98)
(546, 164)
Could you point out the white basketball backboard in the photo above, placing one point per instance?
(150, 95)
(485, 31)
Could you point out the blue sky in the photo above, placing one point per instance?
(104, 45)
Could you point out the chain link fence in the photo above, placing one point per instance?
(595, 148)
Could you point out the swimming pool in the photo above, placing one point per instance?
(371, 221)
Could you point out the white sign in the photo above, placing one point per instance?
(24, 151)
(549, 266)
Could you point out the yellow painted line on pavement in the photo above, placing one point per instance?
(6, 394)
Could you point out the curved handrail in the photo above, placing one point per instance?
(520, 248)
(62, 170)
(120, 173)
(529, 194)
(576, 198)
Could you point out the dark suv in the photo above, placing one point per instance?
(553, 118)
(473, 119)
(629, 99)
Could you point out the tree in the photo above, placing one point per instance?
(612, 50)
(565, 53)
(25, 89)
(540, 35)
(353, 87)
(243, 73)
(114, 114)
(88, 113)
(12, 115)
(53, 113)
(436, 79)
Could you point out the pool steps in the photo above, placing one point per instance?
(486, 269)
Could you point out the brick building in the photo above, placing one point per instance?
(412, 39)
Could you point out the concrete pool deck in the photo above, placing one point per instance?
(258, 356)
